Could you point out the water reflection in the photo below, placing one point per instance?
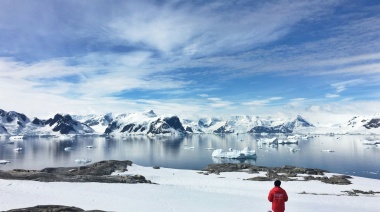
(350, 156)
(237, 160)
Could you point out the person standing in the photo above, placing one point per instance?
(278, 196)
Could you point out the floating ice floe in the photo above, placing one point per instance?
(3, 162)
(65, 138)
(246, 153)
(268, 141)
(18, 149)
(83, 160)
(16, 137)
(368, 142)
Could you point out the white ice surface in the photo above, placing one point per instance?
(187, 190)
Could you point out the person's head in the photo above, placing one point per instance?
(277, 183)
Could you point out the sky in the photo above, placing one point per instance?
(319, 59)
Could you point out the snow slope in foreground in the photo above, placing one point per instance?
(187, 190)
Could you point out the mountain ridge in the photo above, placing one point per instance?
(149, 123)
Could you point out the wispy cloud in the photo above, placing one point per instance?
(203, 95)
(262, 102)
(332, 95)
(189, 55)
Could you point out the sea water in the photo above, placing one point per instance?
(345, 154)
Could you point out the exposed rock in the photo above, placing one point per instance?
(128, 128)
(189, 129)
(337, 179)
(355, 192)
(373, 123)
(285, 173)
(97, 172)
(166, 125)
(224, 129)
(51, 208)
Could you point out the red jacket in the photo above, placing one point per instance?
(277, 196)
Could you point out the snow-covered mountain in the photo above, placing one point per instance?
(246, 124)
(12, 122)
(359, 124)
(145, 123)
(64, 124)
(148, 123)
(15, 123)
(98, 123)
(3, 130)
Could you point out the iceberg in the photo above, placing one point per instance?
(268, 141)
(16, 137)
(4, 162)
(65, 138)
(18, 149)
(68, 148)
(246, 153)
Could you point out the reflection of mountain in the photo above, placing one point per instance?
(148, 123)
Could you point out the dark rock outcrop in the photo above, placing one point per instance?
(189, 129)
(285, 173)
(112, 127)
(98, 172)
(51, 208)
(373, 123)
(166, 125)
(223, 129)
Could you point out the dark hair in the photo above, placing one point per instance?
(277, 183)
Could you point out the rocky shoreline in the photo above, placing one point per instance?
(285, 173)
(51, 208)
(99, 172)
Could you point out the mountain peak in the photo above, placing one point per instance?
(150, 114)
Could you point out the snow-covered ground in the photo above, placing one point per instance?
(188, 190)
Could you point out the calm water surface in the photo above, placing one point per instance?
(350, 156)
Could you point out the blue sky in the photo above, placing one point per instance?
(314, 58)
